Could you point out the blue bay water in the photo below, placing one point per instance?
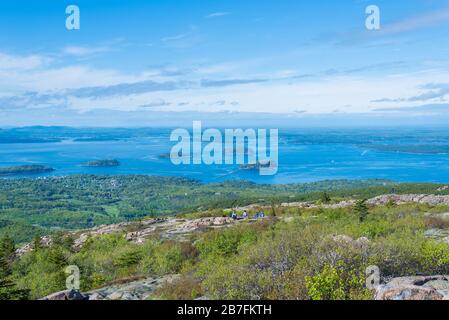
(304, 156)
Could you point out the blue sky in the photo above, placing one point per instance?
(287, 57)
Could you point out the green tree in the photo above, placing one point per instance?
(325, 197)
(37, 243)
(8, 290)
(361, 209)
(57, 257)
(7, 248)
(274, 206)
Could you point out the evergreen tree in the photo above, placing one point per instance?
(325, 197)
(37, 243)
(361, 209)
(274, 205)
(7, 248)
(8, 290)
(57, 257)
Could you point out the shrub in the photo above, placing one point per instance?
(168, 258)
(326, 285)
(224, 243)
(435, 258)
(436, 223)
(128, 258)
(184, 288)
(325, 197)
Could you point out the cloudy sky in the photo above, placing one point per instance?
(287, 57)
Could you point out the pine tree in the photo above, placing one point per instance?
(37, 243)
(6, 285)
(7, 249)
(274, 204)
(361, 209)
(57, 258)
(325, 197)
(8, 290)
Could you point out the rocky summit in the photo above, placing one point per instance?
(415, 288)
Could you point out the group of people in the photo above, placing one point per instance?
(245, 215)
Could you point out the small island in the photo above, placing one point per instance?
(25, 169)
(256, 166)
(102, 163)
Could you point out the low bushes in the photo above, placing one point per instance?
(314, 254)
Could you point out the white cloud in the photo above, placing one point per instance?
(10, 62)
(218, 14)
(85, 51)
(279, 92)
(348, 94)
(424, 20)
(61, 78)
(183, 40)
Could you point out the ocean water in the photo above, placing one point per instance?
(405, 155)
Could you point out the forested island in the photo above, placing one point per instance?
(25, 169)
(257, 166)
(102, 163)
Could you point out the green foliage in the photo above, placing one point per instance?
(224, 244)
(184, 288)
(325, 197)
(296, 254)
(128, 259)
(435, 257)
(302, 260)
(326, 285)
(31, 207)
(42, 271)
(361, 209)
(168, 258)
(437, 223)
(8, 288)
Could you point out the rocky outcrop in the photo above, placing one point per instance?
(438, 235)
(66, 295)
(45, 241)
(81, 238)
(310, 205)
(361, 243)
(380, 200)
(415, 288)
(137, 232)
(407, 198)
(192, 225)
(136, 290)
